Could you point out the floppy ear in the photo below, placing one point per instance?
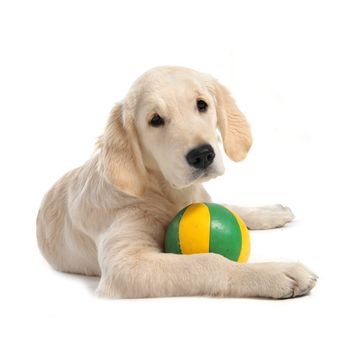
(233, 126)
(120, 155)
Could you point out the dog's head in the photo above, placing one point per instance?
(168, 123)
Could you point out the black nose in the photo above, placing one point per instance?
(201, 157)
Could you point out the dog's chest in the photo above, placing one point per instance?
(164, 204)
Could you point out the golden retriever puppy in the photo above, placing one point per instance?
(108, 217)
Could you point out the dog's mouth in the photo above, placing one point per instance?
(202, 175)
(198, 176)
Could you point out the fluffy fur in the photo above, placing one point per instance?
(108, 217)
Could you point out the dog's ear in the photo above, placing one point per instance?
(233, 126)
(120, 159)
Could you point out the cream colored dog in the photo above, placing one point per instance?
(108, 217)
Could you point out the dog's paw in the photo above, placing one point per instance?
(285, 280)
(268, 217)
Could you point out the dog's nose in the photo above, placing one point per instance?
(201, 157)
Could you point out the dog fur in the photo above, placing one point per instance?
(108, 217)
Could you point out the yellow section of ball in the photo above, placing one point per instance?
(194, 229)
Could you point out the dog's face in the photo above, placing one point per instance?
(168, 123)
(176, 124)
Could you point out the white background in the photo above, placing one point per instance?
(63, 66)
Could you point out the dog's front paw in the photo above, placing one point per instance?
(268, 217)
(285, 280)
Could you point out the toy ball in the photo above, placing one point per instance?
(208, 227)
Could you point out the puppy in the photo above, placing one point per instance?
(108, 217)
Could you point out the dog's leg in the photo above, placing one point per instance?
(265, 217)
(133, 265)
(258, 218)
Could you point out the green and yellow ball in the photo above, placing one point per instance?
(208, 227)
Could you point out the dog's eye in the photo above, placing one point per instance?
(157, 121)
(202, 106)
